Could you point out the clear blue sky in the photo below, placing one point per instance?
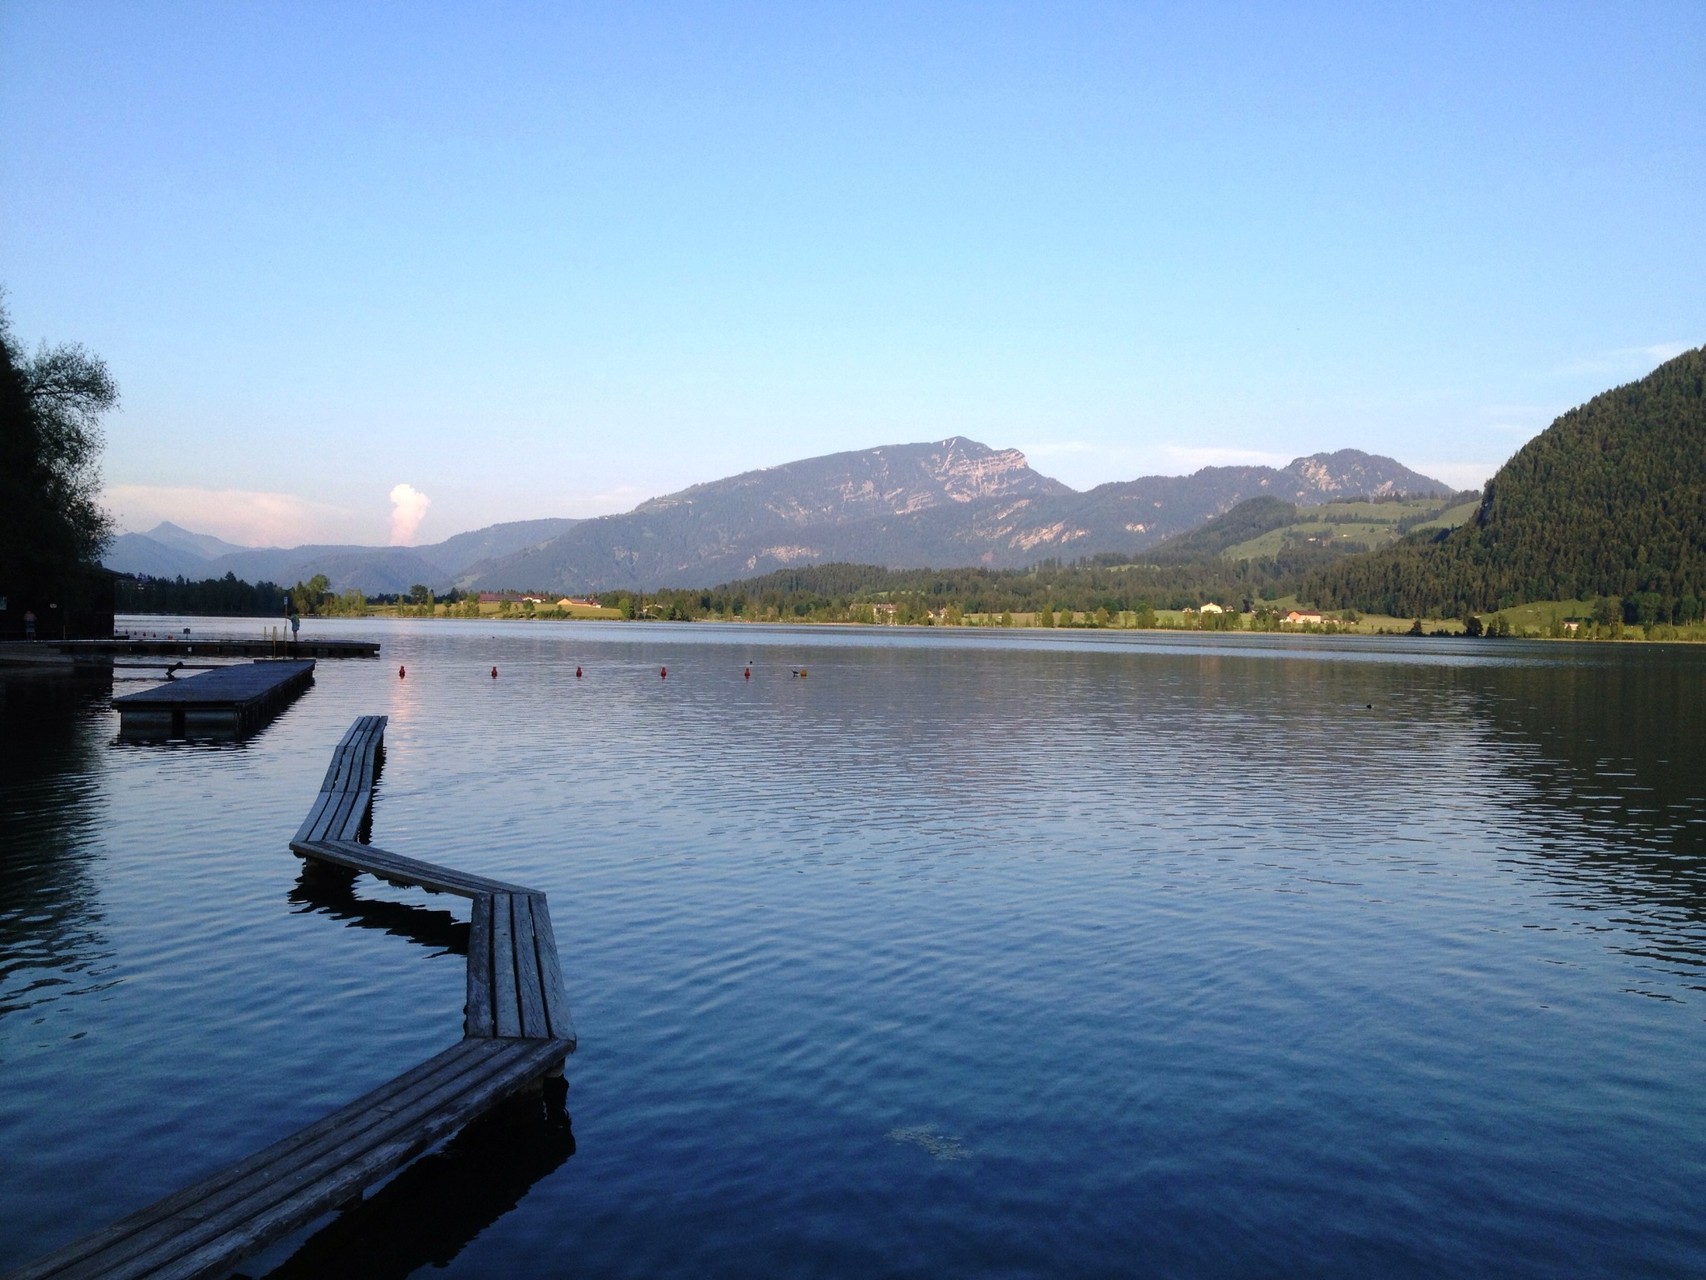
(552, 260)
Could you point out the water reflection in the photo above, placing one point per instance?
(432, 1210)
(1605, 762)
(51, 944)
(331, 891)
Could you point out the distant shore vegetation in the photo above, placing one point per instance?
(1093, 597)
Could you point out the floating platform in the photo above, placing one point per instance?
(224, 702)
(516, 1033)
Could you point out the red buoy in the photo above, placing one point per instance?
(401, 672)
(494, 673)
(663, 673)
(749, 673)
(577, 673)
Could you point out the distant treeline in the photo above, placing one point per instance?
(231, 597)
(1610, 501)
(227, 597)
(863, 593)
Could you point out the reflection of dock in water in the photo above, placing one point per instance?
(223, 702)
(434, 1208)
(516, 1034)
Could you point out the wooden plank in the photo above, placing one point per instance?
(334, 771)
(364, 767)
(344, 772)
(233, 1186)
(551, 972)
(345, 821)
(330, 824)
(477, 1013)
(234, 1217)
(506, 1012)
(448, 1064)
(312, 826)
(530, 1000)
(400, 870)
(426, 874)
(348, 1177)
(344, 779)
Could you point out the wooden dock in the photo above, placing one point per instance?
(516, 1032)
(102, 651)
(222, 702)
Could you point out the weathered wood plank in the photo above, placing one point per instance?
(348, 1177)
(238, 1217)
(444, 1065)
(348, 754)
(551, 972)
(162, 1233)
(506, 1012)
(398, 869)
(346, 817)
(346, 769)
(312, 827)
(477, 1013)
(330, 781)
(530, 999)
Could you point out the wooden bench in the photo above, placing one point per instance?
(516, 1031)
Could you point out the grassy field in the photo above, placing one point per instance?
(516, 613)
(1372, 523)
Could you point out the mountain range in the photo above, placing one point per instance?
(168, 551)
(952, 503)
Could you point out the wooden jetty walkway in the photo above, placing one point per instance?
(101, 654)
(516, 1032)
(223, 701)
(212, 647)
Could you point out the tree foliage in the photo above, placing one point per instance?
(1609, 501)
(212, 597)
(51, 520)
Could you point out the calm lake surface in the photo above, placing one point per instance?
(971, 954)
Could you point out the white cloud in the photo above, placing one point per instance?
(243, 516)
(408, 508)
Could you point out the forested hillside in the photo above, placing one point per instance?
(1609, 501)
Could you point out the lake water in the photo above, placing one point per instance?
(970, 954)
